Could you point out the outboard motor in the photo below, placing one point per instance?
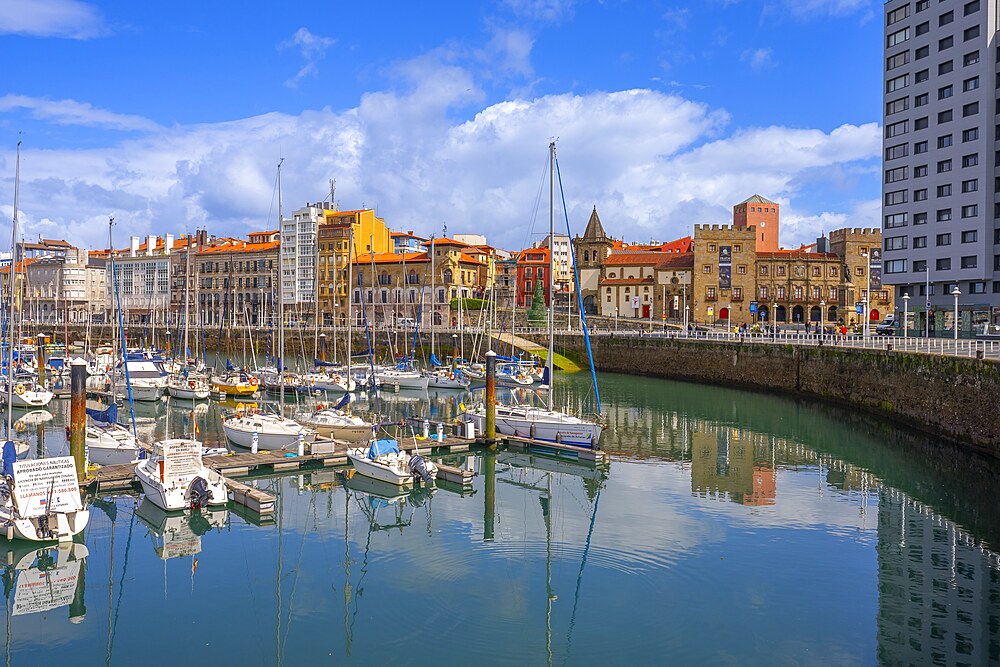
(198, 493)
(419, 468)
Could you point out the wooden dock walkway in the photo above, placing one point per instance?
(557, 449)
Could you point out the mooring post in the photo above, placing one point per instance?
(40, 354)
(491, 400)
(78, 415)
(322, 347)
(490, 475)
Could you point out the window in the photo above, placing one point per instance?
(919, 241)
(897, 15)
(737, 247)
(895, 175)
(834, 271)
(897, 105)
(741, 269)
(944, 116)
(895, 243)
(706, 268)
(922, 5)
(897, 83)
(946, 18)
(943, 215)
(970, 236)
(920, 100)
(920, 195)
(921, 76)
(920, 171)
(967, 161)
(922, 28)
(970, 109)
(977, 287)
(897, 151)
(712, 247)
(946, 43)
(833, 293)
(894, 220)
(943, 166)
(943, 239)
(944, 190)
(780, 271)
(970, 211)
(898, 60)
(970, 58)
(944, 92)
(763, 270)
(970, 84)
(946, 67)
(919, 266)
(710, 293)
(737, 294)
(970, 33)
(969, 262)
(763, 292)
(781, 292)
(896, 129)
(970, 8)
(944, 141)
(970, 135)
(922, 53)
(943, 264)
(971, 185)
(895, 266)
(919, 147)
(919, 124)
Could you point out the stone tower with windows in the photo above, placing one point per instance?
(591, 250)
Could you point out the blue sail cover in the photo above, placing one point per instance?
(382, 446)
(9, 456)
(342, 403)
(229, 366)
(320, 364)
(434, 360)
(109, 416)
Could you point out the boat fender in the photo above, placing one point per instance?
(320, 406)
(418, 467)
(19, 390)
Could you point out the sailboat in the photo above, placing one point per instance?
(334, 422)
(108, 442)
(546, 423)
(40, 498)
(268, 430)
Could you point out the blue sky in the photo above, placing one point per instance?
(172, 116)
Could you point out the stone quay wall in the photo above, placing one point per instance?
(955, 398)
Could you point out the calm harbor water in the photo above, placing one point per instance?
(729, 528)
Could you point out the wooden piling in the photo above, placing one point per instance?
(78, 416)
(322, 347)
(491, 400)
(40, 355)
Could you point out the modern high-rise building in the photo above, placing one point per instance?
(940, 206)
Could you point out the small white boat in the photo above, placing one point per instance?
(111, 444)
(40, 498)
(448, 380)
(174, 477)
(381, 459)
(146, 390)
(332, 423)
(190, 388)
(26, 394)
(401, 378)
(328, 382)
(273, 432)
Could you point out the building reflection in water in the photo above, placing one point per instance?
(939, 589)
(730, 463)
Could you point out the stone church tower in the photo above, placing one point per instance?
(591, 250)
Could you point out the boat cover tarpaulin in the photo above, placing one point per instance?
(342, 403)
(108, 416)
(321, 364)
(381, 447)
(434, 360)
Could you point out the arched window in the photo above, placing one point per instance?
(586, 255)
(447, 276)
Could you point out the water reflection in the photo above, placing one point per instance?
(785, 531)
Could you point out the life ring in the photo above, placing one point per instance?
(191, 384)
(320, 406)
(451, 377)
(254, 381)
(19, 390)
(338, 379)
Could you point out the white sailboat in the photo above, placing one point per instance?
(175, 478)
(336, 422)
(190, 387)
(26, 393)
(108, 442)
(544, 423)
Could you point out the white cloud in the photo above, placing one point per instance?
(653, 163)
(758, 59)
(71, 112)
(542, 10)
(50, 18)
(312, 48)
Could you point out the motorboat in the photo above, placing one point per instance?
(175, 478)
(236, 383)
(40, 498)
(540, 424)
(333, 423)
(190, 387)
(382, 459)
(146, 390)
(404, 379)
(146, 377)
(273, 432)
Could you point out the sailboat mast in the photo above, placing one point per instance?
(552, 264)
(433, 303)
(10, 303)
(350, 300)
(281, 309)
(187, 293)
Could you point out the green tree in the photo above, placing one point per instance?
(538, 313)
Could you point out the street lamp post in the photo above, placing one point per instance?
(865, 305)
(822, 317)
(729, 319)
(685, 319)
(927, 297)
(616, 319)
(956, 293)
(906, 313)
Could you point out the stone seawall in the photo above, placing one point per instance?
(956, 398)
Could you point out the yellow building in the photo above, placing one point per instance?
(724, 285)
(369, 234)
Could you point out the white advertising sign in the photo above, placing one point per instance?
(46, 485)
(181, 458)
(635, 302)
(39, 590)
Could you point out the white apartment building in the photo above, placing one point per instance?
(143, 280)
(65, 288)
(563, 260)
(299, 258)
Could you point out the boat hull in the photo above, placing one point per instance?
(579, 434)
(189, 394)
(63, 526)
(240, 432)
(378, 471)
(177, 497)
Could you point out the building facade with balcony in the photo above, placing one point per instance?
(236, 282)
(340, 229)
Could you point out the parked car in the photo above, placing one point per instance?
(406, 323)
(887, 327)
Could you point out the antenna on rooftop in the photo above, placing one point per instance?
(333, 191)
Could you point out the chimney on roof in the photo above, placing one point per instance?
(133, 248)
(150, 244)
(168, 243)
